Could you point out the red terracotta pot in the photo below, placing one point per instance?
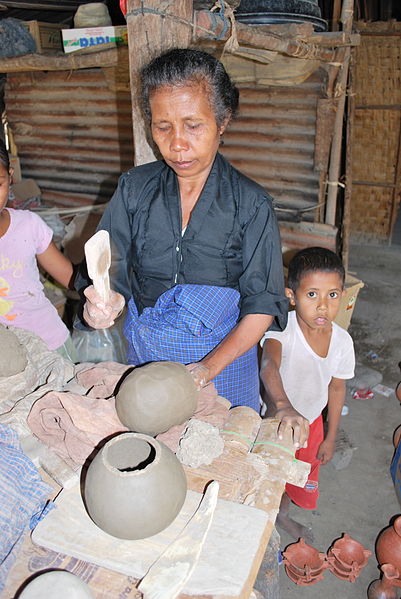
(306, 569)
(384, 588)
(303, 580)
(350, 575)
(300, 555)
(346, 558)
(350, 553)
(388, 548)
(303, 563)
(381, 589)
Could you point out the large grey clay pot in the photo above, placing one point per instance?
(134, 487)
(153, 398)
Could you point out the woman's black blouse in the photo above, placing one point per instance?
(232, 239)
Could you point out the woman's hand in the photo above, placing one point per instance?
(290, 418)
(99, 314)
(200, 374)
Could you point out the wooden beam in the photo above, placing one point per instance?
(114, 56)
(208, 25)
(340, 93)
(153, 27)
(349, 144)
(63, 62)
(335, 25)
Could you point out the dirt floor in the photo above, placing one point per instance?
(359, 498)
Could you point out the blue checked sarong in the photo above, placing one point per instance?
(185, 324)
(23, 498)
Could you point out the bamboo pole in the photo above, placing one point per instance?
(336, 15)
(348, 169)
(208, 25)
(341, 89)
(396, 196)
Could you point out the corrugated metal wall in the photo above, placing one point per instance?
(74, 136)
(273, 142)
(73, 132)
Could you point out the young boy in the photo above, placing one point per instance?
(304, 369)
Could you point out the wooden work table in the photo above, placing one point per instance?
(253, 470)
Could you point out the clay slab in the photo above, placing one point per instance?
(225, 562)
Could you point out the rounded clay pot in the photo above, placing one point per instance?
(304, 580)
(347, 557)
(300, 554)
(134, 487)
(303, 563)
(57, 584)
(153, 398)
(351, 574)
(388, 548)
(382, 589)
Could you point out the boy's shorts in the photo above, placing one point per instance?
(307, 496)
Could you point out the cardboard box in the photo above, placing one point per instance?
(91, 39)
(347, 305)
(24, 194)
(46, 35)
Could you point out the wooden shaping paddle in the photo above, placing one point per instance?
(98, 260)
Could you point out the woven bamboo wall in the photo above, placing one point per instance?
(377, 127)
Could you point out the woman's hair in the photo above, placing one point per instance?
(4, 158)
(180, 67)
(310, 260)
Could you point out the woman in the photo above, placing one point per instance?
(196, 248)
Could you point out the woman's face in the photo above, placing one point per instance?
(185, 130)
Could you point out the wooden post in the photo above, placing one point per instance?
(348, 170)
(153, 27)
(336, 15)
(341, 87)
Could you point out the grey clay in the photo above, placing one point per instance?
(155, 397)
(57, 584)
(134, 487)
(13, 356)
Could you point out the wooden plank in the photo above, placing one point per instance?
(63, 62)
(325, 117)
(233, 546)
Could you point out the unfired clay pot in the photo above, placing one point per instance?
(155, 397)
(134, 487)
(57, 584)
(388, 548)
